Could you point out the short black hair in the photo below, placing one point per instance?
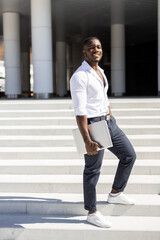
(86, 40)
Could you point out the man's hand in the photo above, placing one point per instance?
(91, 147)
(110, 113)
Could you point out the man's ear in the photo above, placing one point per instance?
(84, 52)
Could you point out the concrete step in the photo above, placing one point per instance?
(67, 140)
(138, 120)
(67, 153)
(72, 204)
(37, 113)
(67, 103)
(140, 129)
(67, 129)
(145, 140)
(69, 112)
(138, 184)
(134, 103)
(72, 167)
(16, 121)
(24, 227)
(38, 104)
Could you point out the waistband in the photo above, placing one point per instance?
(100, 118)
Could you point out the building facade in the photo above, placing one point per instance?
(46, 36)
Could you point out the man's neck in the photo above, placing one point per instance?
(94, 65)
(95, 68)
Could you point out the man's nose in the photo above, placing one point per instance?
(96, 49)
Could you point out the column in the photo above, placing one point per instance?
(11, 32)
(61, 79)
(158, 47)
(42, 48)
(61, 62)
(117, 48)
(25, 57)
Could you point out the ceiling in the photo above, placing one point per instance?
(93, 17)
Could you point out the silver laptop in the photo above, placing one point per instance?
(99, 133)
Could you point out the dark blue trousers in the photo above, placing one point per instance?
(124, 151)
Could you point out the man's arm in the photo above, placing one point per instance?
(91, 146)
(110, 113)
(78, 85)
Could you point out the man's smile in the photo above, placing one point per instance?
(96, 54)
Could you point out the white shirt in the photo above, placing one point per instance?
(88, 92)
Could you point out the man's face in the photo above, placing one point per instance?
(92, 51)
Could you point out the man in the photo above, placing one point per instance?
(89, 94)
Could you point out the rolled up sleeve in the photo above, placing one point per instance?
(78, 87)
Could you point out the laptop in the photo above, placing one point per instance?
(99, 133)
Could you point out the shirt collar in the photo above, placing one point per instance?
(86, 66)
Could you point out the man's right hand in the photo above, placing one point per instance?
(91, 147)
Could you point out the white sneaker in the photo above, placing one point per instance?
(98, 219)
(121, 198)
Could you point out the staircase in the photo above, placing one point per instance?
(41, 173)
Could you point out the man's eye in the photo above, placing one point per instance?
(93, 47)
(90, 48)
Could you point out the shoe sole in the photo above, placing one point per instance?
(121, 203)
(98, 225)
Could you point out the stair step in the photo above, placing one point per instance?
(24, 227)
(72, 204)
(67, 152)
(135, 120)
(67, 129)
(138, 120)
(136, 111)
(58, 103)
(22, 105)
(74, 167)
(70, 112)
(129, 103)
(67, 140)
(139, 184)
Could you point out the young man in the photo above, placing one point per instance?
(89, 94)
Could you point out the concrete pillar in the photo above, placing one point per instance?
(61, 78)
(11, 32)
(117, 48)
(2, 72)
(61, 49)
(25, 57)
(42, 48)
(69, 66)
(158, 47)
